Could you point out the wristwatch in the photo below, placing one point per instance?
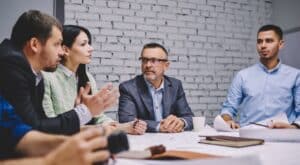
(296, 125)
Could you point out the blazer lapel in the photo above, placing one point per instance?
(146, 96)
(167, 97)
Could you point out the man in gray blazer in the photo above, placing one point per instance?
(153, 98)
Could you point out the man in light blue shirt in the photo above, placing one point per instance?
(265, 89)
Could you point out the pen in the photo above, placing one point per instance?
(263, 125)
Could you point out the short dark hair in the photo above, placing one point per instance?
(274, 28)
(154, 45)
(70, 33)
(33, 23)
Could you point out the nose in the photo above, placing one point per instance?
(91, 49)
(263, 44)
(148, 63)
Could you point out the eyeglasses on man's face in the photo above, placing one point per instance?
(145, 60)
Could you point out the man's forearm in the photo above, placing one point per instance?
(36, 143)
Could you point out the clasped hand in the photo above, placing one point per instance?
(171, 124)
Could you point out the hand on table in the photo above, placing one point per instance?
(171, 124)
(135, 127)
(281, 125)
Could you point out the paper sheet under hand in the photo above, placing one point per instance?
(221, 125)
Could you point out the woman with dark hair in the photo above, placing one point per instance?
(63, 86)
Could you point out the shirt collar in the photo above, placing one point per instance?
(66, 70)
(150, 86)
(270, 70)
(38, 76)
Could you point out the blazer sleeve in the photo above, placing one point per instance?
(183, 109)
(128, 111)
(15, 87)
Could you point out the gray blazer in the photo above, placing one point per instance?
(136, 102)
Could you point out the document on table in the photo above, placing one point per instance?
(221, 125)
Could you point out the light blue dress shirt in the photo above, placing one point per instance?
(156, 95)
(259, 93)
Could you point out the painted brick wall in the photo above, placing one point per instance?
(208, 41)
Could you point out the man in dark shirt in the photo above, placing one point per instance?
(17, 137)
(35, 45)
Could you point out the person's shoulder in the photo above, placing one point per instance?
(10, 56)
(131, 82)
(48, 78)
(290, 68)
(172, 79)
(250, 69)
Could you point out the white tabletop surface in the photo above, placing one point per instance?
(270, 153)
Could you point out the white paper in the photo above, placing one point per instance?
(221, 125)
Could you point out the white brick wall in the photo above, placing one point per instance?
(208, 41)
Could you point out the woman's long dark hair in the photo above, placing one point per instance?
(70, 32)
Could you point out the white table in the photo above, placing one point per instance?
(270, 153)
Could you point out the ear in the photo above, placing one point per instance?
(281, 44)
(35, 45)
(66, 50)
